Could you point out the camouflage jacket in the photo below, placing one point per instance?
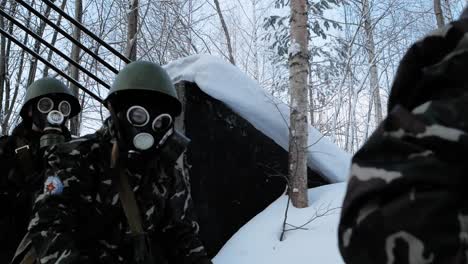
(16, 188)
(82, 220)
(406, 197)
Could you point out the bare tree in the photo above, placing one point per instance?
(256, 73)
(37, 46)
(10, 101)
(75, 55)
(438, 13)
(226, 31)
(54, 40)
(298, 69)
(374, 75)
(3, 60)
(344, 105)
(132, 30)
(447, 10)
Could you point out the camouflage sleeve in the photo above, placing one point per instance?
(405, 202)
(181, 229)
(53, 227)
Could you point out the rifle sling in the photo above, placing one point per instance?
(129, 204)
(25, 252)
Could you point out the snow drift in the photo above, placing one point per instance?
(243, 95)
(258, 241)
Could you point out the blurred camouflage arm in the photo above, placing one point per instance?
(6, 204)
(404, 202)
(181, 228)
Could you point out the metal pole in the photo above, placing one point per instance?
(65, 34)
(86, 30)
(70, 79)
(47, 44)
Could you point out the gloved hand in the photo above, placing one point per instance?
(435, 67)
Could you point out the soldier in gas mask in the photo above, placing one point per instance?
(48, 104)
(118, 196)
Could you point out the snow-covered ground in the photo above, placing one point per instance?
(258, 241)
(244, 96)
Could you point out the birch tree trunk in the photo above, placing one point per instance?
(310, 89)
(374, 76)
(2, 62)
(298, 71)
(255, 39)
(7, 102)
(9, 108)
(438, 13)
(226, 32)
(74, 72)
(132, 30)
(37, 46)
(54, 40)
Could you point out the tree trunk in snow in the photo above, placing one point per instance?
(74, 72)
(132, 30)
(298, 71)
(226, 32)
(310, 89)
(374, 76)
(438, 13)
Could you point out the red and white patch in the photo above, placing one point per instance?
(53, 185)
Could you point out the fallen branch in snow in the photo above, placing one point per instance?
(318, 213)
(277, 173)
(285, 219)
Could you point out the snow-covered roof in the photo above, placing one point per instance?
(225, 82)
(317, 241)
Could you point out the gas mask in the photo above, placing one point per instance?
(142, 131)
(49, 116)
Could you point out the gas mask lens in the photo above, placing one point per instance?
(137, 116)
(65, 108)
(143, 141)
(162, 122)
(45, 105)
(55, 117)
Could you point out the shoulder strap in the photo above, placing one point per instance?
(129, 204)
(126, 195)
(30, 257)
(25, 252)
(141, 243)
(23, 155)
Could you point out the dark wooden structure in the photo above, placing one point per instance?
(236, 171)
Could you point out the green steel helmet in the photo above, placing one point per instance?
(148, 81)
(49, 86)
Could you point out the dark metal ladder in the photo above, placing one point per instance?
(57, 51)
